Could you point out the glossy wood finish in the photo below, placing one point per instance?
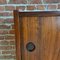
(43, 31)
(41, 13)
(17, 35)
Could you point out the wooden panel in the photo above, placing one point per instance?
(41, 28)
(44, 32)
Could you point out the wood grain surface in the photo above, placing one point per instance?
(40, 28)
(44, 32)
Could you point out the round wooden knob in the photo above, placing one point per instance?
(30, 47)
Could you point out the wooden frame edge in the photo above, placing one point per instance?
(17, 34)
(40, 13)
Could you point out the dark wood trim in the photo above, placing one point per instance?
(41, 13)
(17, 35)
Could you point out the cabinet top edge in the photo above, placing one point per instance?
(38, 13)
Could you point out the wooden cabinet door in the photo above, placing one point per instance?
(37, 36)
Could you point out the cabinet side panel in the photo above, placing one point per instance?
(17, 35)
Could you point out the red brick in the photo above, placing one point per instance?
(34, 1)
(13, 27)
(1, 20)
(41, 7)
(1, 14)
(9, 37)
(2, 37)
(21, 1)
(12, 1)
(0, 52)
(5, 27)
(8, 21)
(6, 14)
(20, 7)
(2, 8)
(2, 1)
(51, 1)
(12, 32)
(9, 52)
(17, 1)
(50, 7)
(9, 8)
(7, 47)
(4, 43)
(7, 57)
(3, 32)
(30, 7)
(58, 6)
(12, 42)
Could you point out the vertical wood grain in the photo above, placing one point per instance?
(45, 34)
(40, 28)
(17, 35)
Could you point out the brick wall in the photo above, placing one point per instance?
(7, 36)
